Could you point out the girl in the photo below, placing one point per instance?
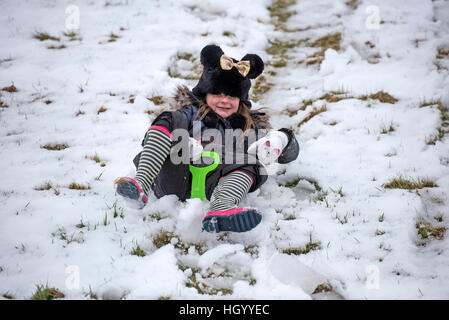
(219, 102)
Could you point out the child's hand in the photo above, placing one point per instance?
(269, 147)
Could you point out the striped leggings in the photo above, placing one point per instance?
(227, 194)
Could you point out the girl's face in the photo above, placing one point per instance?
(222, 104)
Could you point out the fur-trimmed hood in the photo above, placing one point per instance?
(183, 96)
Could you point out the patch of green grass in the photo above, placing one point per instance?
(310, 246)
(401, 182)
(432, 140)
(342, 220)
(92, 295)
(8, 295)
(338, 191)
(384, 129)
(62, 235)
(155, 216)
(444, 117)
(138, 251)
(80, 225)
(46, 293)
(292, 183)
(321, 196)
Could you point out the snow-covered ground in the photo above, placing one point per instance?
(330, 229)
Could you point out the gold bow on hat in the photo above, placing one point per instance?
(227, 63)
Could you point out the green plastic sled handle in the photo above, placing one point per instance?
(199, 175)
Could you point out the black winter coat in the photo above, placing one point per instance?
(176, 178)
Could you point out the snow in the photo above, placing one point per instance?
(366, 236)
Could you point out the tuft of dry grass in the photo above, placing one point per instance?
(55, 147)
(280, 48)
(10, 89)
(3, 105)
(313, 113)
(442, 53)
(353, 4)
(46, 186)
(9, 59)
(79, 113)
(101, 110)
(279, 12)
(402, 183)
(330, 41)
(260, 87)
(77, 186)
(113, 37)
(174, 71)
(228, 34)
(163, 238)
(157, 100)
(382, 97)
(426, 231)
(96, 158)
(323, 287)
(43, 36)
(62, 46)
(302, 250)
(72, 36)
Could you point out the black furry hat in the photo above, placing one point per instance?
(222, 74)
